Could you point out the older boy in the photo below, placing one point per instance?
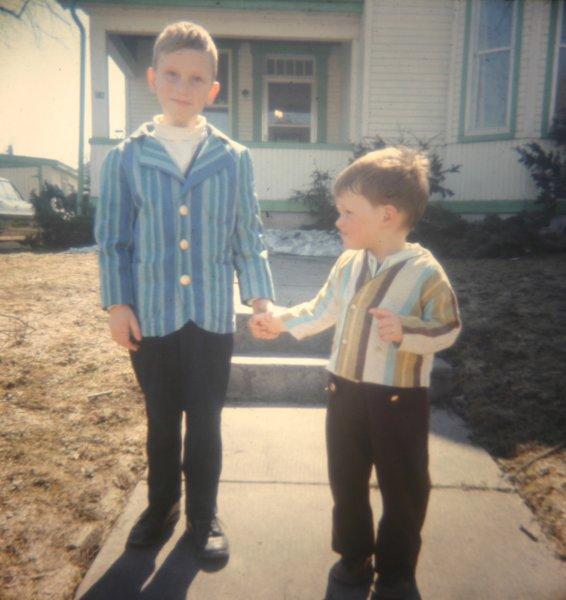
(393, 308)
(177, 215)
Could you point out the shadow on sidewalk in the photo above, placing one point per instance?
(337, 591)
(132, 575)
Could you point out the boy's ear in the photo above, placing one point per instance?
(391, 214)
(150, 75)
(213, 92)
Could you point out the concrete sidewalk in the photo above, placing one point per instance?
(480, 541)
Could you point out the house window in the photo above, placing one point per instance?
(559, 69)
(493, 38)
(219, 113)
(289, 111)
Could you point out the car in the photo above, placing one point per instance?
(11, 202)
(17, 217)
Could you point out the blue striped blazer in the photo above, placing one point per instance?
(169, 242)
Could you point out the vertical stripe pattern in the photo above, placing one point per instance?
(139, 229)
(411, 284)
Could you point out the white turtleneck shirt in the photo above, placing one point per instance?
(180, 142)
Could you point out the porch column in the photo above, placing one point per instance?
(99, 81)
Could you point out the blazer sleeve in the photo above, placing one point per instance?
(250, 253)
(114, 225)
(440, 324)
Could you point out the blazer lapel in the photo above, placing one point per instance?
(153, 154)
(211, 156)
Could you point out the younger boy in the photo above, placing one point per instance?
(177, 215)
(393, 308)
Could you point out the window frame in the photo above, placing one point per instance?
(552, 58)
(319, 54)
(310, 79)
(470, 66)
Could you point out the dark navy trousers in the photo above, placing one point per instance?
(387, 427)
(184, 373)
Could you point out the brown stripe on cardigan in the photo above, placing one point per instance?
(364, 272)
(364, 338)
(435, 332)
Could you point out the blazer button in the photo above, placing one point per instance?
(183, 210)
(185, 280)
(332, 387)
(394, 398)
(184, 244)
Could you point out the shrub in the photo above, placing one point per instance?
(59, 221)
(548, 169)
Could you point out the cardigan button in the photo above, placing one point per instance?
(185, 280)
(183, 210)
(184, 244)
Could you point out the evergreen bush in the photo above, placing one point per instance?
(57, 215)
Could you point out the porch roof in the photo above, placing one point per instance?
(280, 5)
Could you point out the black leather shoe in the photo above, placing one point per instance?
(209, 539)
(404, 590)
(352, 571)
(152, 525)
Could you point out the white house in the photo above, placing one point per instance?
(303, 80)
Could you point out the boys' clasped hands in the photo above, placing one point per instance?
(267, 326)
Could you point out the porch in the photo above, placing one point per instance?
(292, 98)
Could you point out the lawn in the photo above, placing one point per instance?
(72, 423)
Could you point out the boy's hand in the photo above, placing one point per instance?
(124, 326)
(265, 326)
(389, 325)
(262, 305)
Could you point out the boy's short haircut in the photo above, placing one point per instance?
(393, 175)
(182, 35)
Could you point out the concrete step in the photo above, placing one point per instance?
(300, 380)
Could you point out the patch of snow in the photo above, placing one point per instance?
(311, 242)
(81, 250)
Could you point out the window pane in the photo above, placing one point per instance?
(299, 67)
(270, 66)
(560, 106)
(308, 67)
(496, 24)
(223, 78)
(218, 117)
(280, 67)
(289, 134)
(563, 25)
(492, 90)
(289, 104)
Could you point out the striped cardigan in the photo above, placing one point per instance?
(169, 242)
(410, 283)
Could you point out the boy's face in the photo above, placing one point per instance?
(183, 82)
(362, 225)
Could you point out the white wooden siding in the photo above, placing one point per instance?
(279, 172)
(408, 67)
